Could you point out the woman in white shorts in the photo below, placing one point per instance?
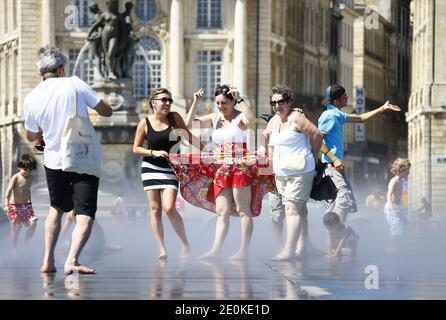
(294, 145)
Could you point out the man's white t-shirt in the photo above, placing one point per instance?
(48, 106)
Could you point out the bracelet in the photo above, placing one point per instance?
(241, 100)
(151, 153)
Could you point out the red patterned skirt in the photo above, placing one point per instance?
(203, 176)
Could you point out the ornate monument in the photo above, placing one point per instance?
(110, 46)
(111, 43)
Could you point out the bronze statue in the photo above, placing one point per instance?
(127, 50)
(95, 53)
(112, 40)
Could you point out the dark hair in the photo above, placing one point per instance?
(225, 91)
(27, 162)
(284, 90)
(331, 219)
(94, 8)
(170, 117)
(332, 93)
(128, 5)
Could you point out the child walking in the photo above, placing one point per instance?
(18, 199)
(395, 215)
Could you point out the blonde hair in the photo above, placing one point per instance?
(399, 165)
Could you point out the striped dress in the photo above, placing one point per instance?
(156, 173)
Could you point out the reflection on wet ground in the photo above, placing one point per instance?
(256, 279)
(134, 272)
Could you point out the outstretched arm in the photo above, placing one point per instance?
(365, 116)
(205, 121)
(191, 138)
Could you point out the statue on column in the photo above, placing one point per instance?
(112, 40)
(95, 52)
(128, 43)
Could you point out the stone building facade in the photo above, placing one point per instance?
(381, 59)
(427, 106)
(253, 44)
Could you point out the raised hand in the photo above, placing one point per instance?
(389, 106)
(199, 94)
(234, 92)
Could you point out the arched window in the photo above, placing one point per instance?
(147, 68)
(85, 16)
(145, 10)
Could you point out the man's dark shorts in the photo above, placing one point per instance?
(70, 190)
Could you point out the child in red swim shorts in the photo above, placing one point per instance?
(18, 199)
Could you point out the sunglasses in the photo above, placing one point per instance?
(280, 102)
(164, 100)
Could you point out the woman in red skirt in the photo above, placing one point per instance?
(227, 180)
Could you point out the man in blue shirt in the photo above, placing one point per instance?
(331, 123)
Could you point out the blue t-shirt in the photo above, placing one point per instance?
(331, 123)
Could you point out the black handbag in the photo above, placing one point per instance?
(323, 187)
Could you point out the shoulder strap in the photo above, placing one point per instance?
(149, 126)
(75, 97)
(217, 118)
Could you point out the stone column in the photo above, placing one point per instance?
(176, 49)
(240, 62)
(47, 22)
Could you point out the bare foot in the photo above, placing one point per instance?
(303, 254)
(163, 253)
(48, 268)
(284, 257)
(209, 255)
(185, 253)
(69, 269)
(241, 255)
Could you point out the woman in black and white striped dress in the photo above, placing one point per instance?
(158, 178)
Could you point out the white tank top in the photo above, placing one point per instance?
(290, 141)
(229, 134)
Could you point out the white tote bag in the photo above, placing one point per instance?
(80, 148)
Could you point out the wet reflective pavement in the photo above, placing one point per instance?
(131, 270)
